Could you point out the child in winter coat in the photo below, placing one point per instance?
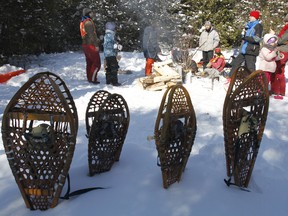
(216, 65)
(278, 80)
(269, 55)
(111, 48)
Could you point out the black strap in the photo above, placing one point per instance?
(77, 192)
(228, 183)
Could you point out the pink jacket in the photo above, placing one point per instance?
(268, 57)
(218, 63)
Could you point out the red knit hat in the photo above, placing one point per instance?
(255, 14)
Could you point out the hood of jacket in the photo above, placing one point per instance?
(268, 37)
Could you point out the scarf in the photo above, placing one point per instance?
(85, 17)
(269, 46)
(250, 32)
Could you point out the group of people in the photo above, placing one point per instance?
(273, 54)
(90, 45)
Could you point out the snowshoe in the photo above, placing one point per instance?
(39, 130)
(244, 117)
(107, 121)
(174, 133)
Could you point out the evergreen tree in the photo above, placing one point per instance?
(37, 26)
(219, 12)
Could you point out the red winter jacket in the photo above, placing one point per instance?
(218, 62)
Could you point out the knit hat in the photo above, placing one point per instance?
(86, 11)
(255, 14)
(286, 18)
(110, 26)
(207, 23)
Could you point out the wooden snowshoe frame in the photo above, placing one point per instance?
(175, 131)
(246, 102)
(93, 106)
(40, 168)
(107, 122)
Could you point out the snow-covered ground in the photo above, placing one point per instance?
(134, 184)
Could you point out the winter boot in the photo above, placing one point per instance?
(114, 77)
(278, 97)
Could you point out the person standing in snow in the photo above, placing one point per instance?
(278, 80)
(208, 41)
(251, 37)
(269, 55)
(150, 48)
(90, 45)
(111, 47)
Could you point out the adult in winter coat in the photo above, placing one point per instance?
(110, 53)
(278, 81)
(208, 41)
(90, 45)
(251, 37)
(150, 48)
(269, 55)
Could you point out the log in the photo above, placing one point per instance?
(156, 86)
(165, 70)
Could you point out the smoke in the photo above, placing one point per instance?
(153, 12)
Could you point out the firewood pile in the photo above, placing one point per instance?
(164, 75)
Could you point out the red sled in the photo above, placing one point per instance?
(5, 77)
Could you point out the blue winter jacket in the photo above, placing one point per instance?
(109, 41)
(252, 38)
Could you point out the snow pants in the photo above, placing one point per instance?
(93, 62)
(148, 68)
(111, 70)
(278, 80)
(249, 61)
(207, 56)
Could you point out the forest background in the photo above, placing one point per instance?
(32, 27)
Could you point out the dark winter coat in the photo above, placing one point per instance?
(150, 42)
(252, 38)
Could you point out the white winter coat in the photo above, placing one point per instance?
(209, 40)
(268, 56)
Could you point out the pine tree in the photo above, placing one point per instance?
(37, 26)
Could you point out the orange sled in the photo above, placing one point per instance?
(5, 77)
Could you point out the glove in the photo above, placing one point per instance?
(243, 33)
(120, 47)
